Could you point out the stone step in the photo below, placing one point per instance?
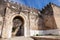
(19, 38)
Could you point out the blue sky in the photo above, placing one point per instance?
(38, 4)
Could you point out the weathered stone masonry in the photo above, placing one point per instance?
(33, 19)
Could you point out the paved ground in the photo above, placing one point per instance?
(18, 38)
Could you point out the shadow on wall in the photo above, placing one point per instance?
(47, 20)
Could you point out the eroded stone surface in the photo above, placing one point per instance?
(48, 18)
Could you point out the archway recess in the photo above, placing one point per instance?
(18, 26)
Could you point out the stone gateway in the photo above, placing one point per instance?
(20, 20)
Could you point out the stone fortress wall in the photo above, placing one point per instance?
(35, 21)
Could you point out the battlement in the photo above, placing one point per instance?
(17, 6)
(47, 10)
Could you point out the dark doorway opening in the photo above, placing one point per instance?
(18, 26)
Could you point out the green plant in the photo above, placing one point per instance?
(37, 34)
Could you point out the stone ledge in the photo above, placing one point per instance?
(46, 37)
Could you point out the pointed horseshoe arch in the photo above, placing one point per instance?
(18, 26)
(7, 30)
